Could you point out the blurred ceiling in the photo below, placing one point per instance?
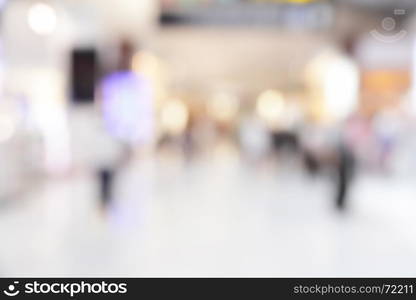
(411, 4)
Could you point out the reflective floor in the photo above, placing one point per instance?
(210, 217)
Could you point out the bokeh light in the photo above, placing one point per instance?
(270, 106)
(174, 116)
(42, 18)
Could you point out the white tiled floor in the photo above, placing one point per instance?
(211, 218)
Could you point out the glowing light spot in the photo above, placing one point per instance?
(174, 118)
(42, 19)
(270, 106)
(224, 107)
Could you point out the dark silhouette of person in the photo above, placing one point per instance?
(311, 163)
(344, 176)
(106, 176)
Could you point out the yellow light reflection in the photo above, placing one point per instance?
(224, 107)
(270, 106)
(174, 117)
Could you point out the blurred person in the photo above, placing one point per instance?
(333, 80)
(311, 163)
(387, 128)
(126, 103)
(326, 148)
(127, 116)
(285, 140)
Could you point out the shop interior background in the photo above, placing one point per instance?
(207, 138)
